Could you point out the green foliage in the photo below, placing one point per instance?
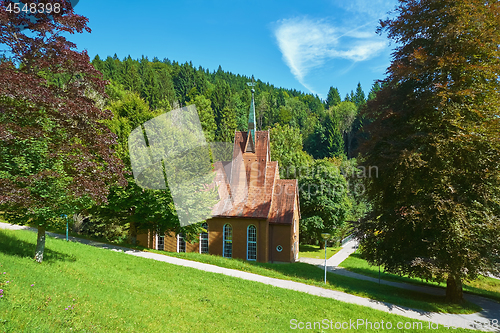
(374, 90)
(206, 114)
(359, 97)
(286, 148)
(334, 140)
(333, 97)
(435, 138)
(168, 82)
(55, 154)
(130, 208)
(324, 203)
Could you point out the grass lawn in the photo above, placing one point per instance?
(80, 288)
(313, 251)
(312, 275)
(483, 286)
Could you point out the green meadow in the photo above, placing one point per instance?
(79, 288)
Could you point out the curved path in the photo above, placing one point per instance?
(481, 320)
(491, 308)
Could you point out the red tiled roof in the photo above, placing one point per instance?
(252, 187)
(285, 192)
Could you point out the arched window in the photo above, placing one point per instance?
(160, 242)
(181, 243)
(251, 242)
(204, 239)
(227, 247)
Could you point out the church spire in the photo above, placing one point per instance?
(251, 122)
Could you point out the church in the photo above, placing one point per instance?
(257, 216)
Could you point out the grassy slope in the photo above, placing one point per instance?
(309, 274)
(313, 251)
(106, 291)
(483, 286)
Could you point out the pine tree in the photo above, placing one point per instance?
(333, 97)
(130, 74)
(374, 90)
(359, 97)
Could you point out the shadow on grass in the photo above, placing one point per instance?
(374, 274)
(415, 281)
(308, 248)
(16, 247)
(402, 297)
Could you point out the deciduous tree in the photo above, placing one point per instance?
(324, 203)
(286, 148)
(435, 139)
(55, 152)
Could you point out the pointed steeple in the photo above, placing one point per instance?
(251, 123)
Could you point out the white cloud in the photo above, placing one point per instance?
(375, 9)
(307, 44)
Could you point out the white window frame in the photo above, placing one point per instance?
(158, 241)
(179, 236)
(201, 234)
(224, 240)
(251, 242)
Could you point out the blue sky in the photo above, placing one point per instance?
(303, 45)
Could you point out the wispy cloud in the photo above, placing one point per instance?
(375, 9)
(306, 44)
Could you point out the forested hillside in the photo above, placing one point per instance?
(329, 128)
(309, 136)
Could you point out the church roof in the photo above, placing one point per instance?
(249, 185)
(283, 204)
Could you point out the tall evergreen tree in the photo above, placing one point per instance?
(374, 90)
(165, 83)
(359, 97)
(335, 141)
(130, 75)
(333, 97)
(150, 89)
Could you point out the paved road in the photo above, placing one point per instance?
(491, 309)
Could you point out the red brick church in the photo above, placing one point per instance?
(257, 216)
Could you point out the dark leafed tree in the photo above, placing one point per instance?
(55, 153)
(435, 140)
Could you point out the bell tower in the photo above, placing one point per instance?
(250, 146)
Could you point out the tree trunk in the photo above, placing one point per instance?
(40, 244)
(322, 245)
(454, 293)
